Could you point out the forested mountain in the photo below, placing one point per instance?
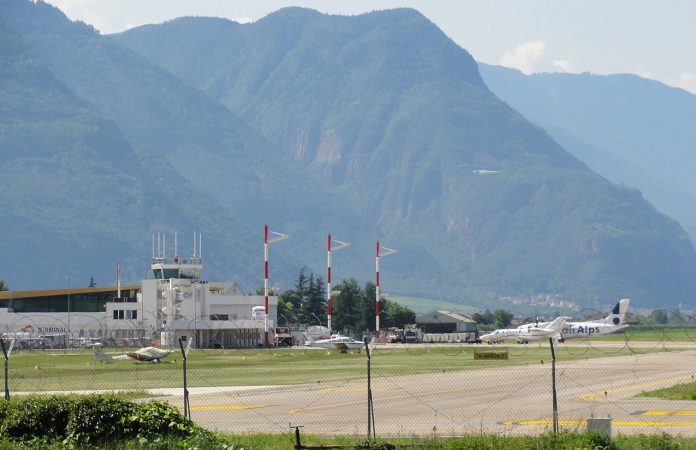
(373, 126)
(629, 129)
(388, 108)
(208, 145)
(77, 196)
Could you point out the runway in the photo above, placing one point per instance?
(509, 400)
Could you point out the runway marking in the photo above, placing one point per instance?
(224, 407)
(604, 394)
(615, 423)
(668, 412)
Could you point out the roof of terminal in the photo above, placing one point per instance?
(6, 295)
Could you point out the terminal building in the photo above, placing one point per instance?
(174, 303)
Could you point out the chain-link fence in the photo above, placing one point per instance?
(448, 386)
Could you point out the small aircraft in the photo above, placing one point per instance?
(336, 341)
(610, 324)
(526, 333)
(152, 355)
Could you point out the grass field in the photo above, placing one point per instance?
(636, 333)
(685, 391)
(77, 370)
(424, 305)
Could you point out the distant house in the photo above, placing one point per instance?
(442, 321)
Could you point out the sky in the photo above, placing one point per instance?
(652, 38)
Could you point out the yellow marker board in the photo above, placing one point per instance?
(491, 355)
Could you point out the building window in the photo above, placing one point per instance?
(129, 314)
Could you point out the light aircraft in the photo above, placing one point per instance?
(152, 355)
(526, 333)
(336, 341)
(610, 324)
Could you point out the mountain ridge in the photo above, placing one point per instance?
(371, 127)
(410, 151)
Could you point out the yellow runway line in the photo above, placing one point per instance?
(224, 407)
(667, 412)
(616, 423)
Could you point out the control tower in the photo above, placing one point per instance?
(178, 280)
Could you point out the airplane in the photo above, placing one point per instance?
(610, 324)
(526, 333)
(336, 341)
(152, 355)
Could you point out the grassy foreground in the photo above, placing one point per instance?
(77, 370)
(564, 441)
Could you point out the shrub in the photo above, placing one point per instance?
(157, 419)
(89, 420)
(36, 416)
(98, 419)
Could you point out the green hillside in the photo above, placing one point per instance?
(389, 109)
(77, 196)
(370, 127)
(631, 130)
(208, 145)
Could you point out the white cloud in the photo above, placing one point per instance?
(525, 56)
(645, 74)
(687, 81)
(243, 19)
(564, 66)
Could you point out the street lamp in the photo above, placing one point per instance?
(314, 315)
(329, 293)
(266, 242)
(69, 333)
(386, 252)
(287, 322)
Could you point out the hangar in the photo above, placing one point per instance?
(443, 321)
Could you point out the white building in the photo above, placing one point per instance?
(175, 303)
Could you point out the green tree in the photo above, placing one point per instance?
(675, 316)
(396, 315)
(346, 314)
(3, 286)
(314, 301)
(484, 318)
(658, 316)
(502, 318)
(366, 310)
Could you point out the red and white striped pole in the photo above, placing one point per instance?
(265, 286)
(387, 252)
(266, 243)
(377, 290)
(328, 283)
(329, 293)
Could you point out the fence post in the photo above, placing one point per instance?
(553, 386)
(187, 408)
(370, 411)
(7, 371)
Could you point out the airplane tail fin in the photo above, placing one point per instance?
(557, 324)
(618, 314)
(100, 356)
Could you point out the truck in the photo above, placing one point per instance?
(283, 337)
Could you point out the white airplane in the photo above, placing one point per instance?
(610, 324)
(336, 341)
(152, 355)
(526, 333)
